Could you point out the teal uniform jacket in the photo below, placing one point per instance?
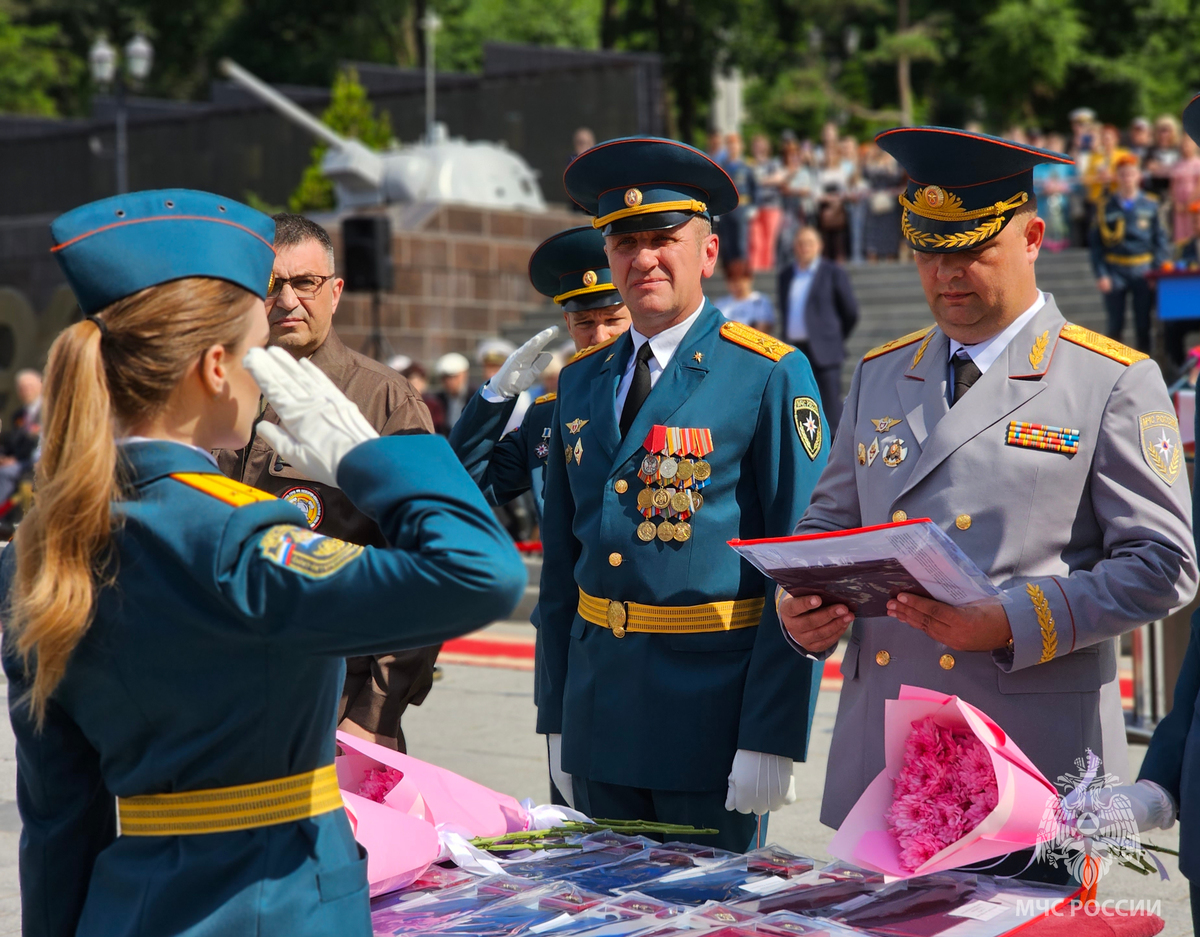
(216, 660)
(661, 711)
(1134, 232)
(504, 467)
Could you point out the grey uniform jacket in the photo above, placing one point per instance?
(1086, 545)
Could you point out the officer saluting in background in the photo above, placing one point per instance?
(1128, 242)
(1051, 455)
(665, 674)
(571, 268)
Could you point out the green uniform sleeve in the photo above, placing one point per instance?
(449, 567)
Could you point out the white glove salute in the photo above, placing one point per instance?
(561, 779)
(523, 366)
(760, 783)
(318, 424)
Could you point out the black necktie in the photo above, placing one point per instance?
(966, 373)
(639, 389)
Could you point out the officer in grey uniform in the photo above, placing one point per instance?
(1050, 454)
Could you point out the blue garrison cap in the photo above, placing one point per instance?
(963, 187)
(647, 184)
(572, 268)
(1191, 119)
(117, 246)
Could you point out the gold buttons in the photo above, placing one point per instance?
(963, 521)
(899, 516)
(614, 559)
(620, 486)
(946, 661)
(883, 658)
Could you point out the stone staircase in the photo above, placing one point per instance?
(892, 302)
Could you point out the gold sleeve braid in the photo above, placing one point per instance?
(1045, 622)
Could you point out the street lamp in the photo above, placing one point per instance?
(430, 23)
(102, 60)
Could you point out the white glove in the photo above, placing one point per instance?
(523, 366)
(1153, 808)
(318, 424)
(561, 779)
(760, 783)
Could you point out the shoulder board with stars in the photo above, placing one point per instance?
(895, 343)
(580, 355)
(546, 398)
(1101, 344)
(755, 340)
(231, 492)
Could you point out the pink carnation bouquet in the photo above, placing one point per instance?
(945, 789)
(955, 790)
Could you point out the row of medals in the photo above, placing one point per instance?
(674, 496)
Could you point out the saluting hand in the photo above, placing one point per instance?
(814, 628)
(973, 628)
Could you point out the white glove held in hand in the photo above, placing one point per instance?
(760, 783)
(523, 366)
(1153, 808)
(318, 424)
(561, 779)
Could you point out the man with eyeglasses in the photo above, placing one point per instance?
(301, 303)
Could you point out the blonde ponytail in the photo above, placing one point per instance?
(96, 381)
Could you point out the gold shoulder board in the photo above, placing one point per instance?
(546, 398)
(897, 343)
(580, 355)
(1101, 344)
(235, 494)
(755, 340)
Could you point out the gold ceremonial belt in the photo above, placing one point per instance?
(223, 809)
(669, 619)
(1136, 260)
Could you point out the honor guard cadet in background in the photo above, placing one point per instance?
(572, 268)
(301, 304)
(1049, 454)
(173, 639)
(667, 686)
(1128, 242)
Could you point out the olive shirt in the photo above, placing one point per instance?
(377, 689)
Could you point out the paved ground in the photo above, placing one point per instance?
(479, 722)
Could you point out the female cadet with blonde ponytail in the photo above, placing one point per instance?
(173, 639)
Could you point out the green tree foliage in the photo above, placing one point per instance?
(33, 64)
(351, 115)
(468, 24)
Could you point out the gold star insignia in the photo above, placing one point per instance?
(575, 426)
(882, 426)
(699, 356)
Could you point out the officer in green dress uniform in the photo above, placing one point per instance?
(665, 676)
(190, 687)
(571, 268)
(1128, 242)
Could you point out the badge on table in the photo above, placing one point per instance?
(308, 501)
(1161, 444)
(873, 452)
(673, 470)
(894, 451)
(806, 414)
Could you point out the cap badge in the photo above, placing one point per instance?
(633, 198)
(589, 278)
(934, 196)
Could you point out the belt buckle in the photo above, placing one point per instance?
(616, 616)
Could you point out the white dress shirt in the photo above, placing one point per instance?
(662, 348)
(984, 354)
(795, 324)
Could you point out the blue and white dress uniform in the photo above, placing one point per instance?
(662, 656)
(571, 268)
(213, 666)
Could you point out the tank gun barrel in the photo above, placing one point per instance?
(289, 109)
